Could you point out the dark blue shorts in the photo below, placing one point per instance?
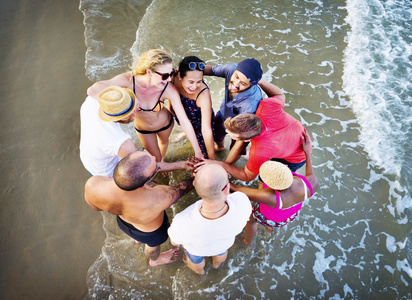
(292, 166)
(152, 239)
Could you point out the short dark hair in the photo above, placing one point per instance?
(184, 65)
(129, 172)
(247, 126)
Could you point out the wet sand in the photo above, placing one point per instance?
(45, 246)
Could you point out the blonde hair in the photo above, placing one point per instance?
(247, 126)
(150, 60)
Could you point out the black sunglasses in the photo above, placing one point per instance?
(154, 175)
(225, 186)
(165, 76)
(200, 65)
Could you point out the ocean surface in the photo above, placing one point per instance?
(345, 67)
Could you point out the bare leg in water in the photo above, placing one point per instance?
(218, 260)
(197, 268)
(250, 230)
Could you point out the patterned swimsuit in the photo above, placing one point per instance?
(194, 114)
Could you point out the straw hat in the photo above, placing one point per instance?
(276, 175)
(116, 103)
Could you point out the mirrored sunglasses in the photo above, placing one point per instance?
(200, 65)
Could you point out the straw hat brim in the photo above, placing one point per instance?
(107, 118)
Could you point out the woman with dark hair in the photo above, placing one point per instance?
(196, 101)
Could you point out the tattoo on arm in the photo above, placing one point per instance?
(176, 191)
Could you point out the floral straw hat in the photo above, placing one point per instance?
(276, 175)
(116, 103)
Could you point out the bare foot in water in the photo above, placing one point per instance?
(242, 241)
(178, 137)
(166, 257)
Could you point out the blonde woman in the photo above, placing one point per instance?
(149, 81)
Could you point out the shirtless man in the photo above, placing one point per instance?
(138, 202)
(149, 81)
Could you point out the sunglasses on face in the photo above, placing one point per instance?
(154, 174)
(225, 186)
(200, 65)
(165, 76)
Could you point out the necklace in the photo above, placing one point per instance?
(212, 212)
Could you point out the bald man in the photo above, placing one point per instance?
(138, 202)
(209, 226)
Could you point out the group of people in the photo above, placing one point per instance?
(154, 95)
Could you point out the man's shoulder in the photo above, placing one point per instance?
(272, 101)
(186, 214)
(156, 193)
(89, 103)
(241, 202)
(238, 197)
(270, 106)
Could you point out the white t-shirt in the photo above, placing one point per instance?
(100, 141)
(204, 237)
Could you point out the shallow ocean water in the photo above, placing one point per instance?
(352, 239)
(345, 67)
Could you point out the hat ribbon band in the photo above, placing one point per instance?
(122, 112)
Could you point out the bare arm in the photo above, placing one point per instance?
(266, 196)
(127, 147)
(173, 166)
(271, 90)
(240, 173)
(122, 80)
(178, 190)
(205, 104)
(208, 70)
(310, 175)
(234, 153)
(187, 127)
